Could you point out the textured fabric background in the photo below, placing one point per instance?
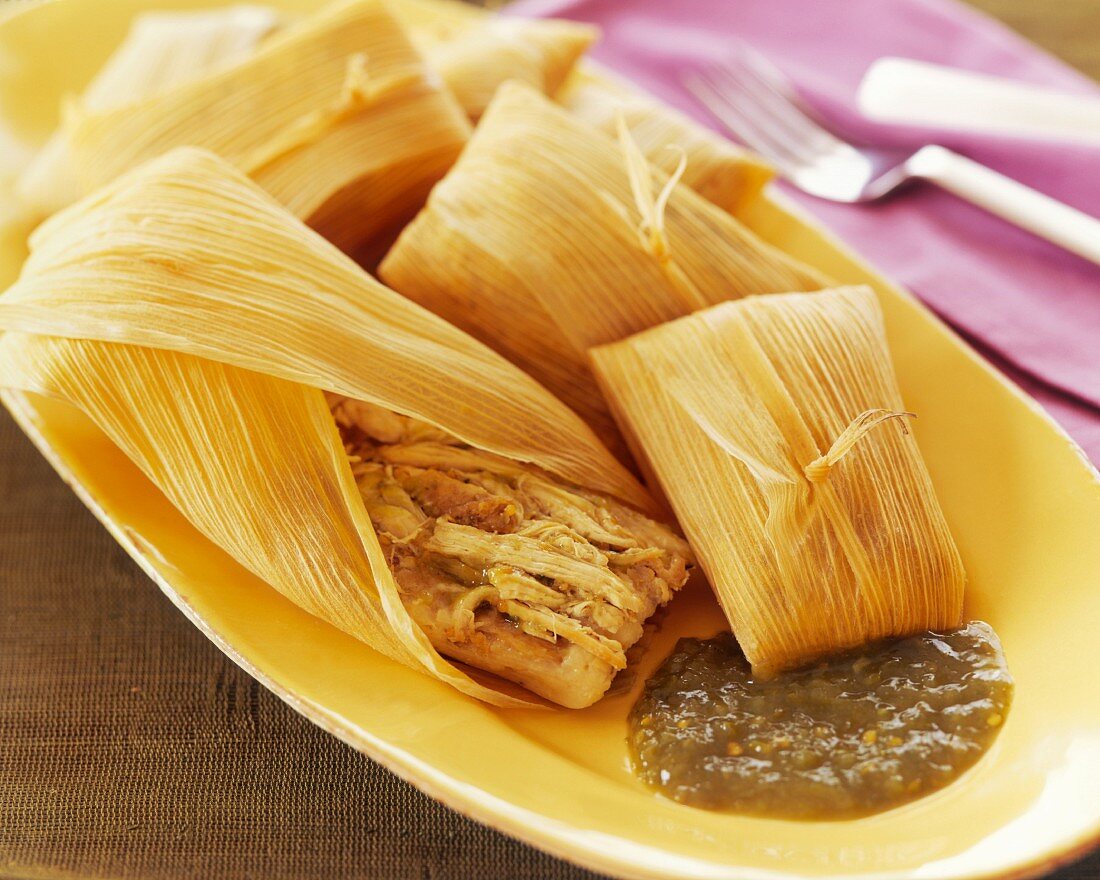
(131, 748)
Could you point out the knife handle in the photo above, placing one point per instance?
(901, 90)
(1027, 208)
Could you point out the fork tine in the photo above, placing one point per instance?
(742, 125)
(759, 109)
(768, 74)
(790, 119)
(757, 103)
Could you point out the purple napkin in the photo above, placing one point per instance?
(1032, 306)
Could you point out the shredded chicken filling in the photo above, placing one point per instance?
(492, 534)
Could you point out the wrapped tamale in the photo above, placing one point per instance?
(161, 50)
(538, 52)
(548, 237)
(336, 115)
(776, 429)
(438, 20)
(371, 462)
(475, 50)
(717, 169)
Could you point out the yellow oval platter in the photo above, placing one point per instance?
(1022, 501)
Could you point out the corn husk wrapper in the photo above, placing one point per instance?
(337, 116)
(538, 52)
(475, 51)
(717, 169)
(160, 51)
(165, 49)
(776, 429)
(547, 238)
(434, 21)
(197, 323)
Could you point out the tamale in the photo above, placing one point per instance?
(335, 115)
(476, 51)
(538, 52)
(439, 500)
(717, 169)
(504, 567)
(435, 21)
(161, 50)
(167, 49)
(547, 238)
(776, 429)
(186, 44)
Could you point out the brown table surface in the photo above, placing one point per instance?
(1069, 29)
(131, 747)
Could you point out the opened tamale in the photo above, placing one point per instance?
(371, 462)
(336, 115)
(717, 169)
(548, 237)
(776, 429)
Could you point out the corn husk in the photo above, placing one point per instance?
(337, 116)
(717, 169)
(540, 53)
(197, 323)
(476, 51)
(160, 51)
(776, 429)
(165, 49)
(547, 237)
(434, 21)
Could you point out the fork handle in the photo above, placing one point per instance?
(1031, 210)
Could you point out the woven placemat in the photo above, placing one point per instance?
(130, 747)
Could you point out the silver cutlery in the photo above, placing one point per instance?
(761, 108)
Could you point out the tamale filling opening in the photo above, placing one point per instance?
(485, 549)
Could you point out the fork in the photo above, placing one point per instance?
(760, 107)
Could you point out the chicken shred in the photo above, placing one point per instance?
(475, 539)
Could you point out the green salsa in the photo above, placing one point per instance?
(856, 735)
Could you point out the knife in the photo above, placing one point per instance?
(901, 90)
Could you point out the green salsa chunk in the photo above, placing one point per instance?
(856, 735)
